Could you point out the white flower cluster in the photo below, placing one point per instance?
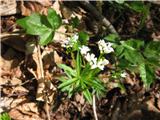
(105, 47)
(70, 41)
(93, 61)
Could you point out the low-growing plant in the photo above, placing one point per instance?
(137, 56)
(83, 77)
(41, 25)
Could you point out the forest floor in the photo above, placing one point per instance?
(19, 85)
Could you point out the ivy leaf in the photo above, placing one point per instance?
(54, 19)
(147, 74)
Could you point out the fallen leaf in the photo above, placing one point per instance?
(56, 7)
(15, 81)
(18, 115)
(5, 103)
(3, 81)
(20, 89)
(30, 107)
(59, 36)
(29, 7)
(158, 103)
(17, 102)
(57, 58)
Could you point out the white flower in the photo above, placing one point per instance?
(84, 50)
(92, 60)
(105, 47)
(124, 74)
(70, 41)
(75, 37)
(101, 63)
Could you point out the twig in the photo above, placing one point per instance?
(42, 77)
(98, 16)
(94, 108)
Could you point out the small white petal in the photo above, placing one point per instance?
(84, 50)
(124, 74)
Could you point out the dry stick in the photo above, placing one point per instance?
(42, 75)
(98, 16)
(94, 108)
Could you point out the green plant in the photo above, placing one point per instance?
(5, 116)
(137, 56)
(83, 77)
(41, 25)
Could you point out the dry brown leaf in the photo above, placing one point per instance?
(15, 81)
(48, 57)
(5, 64)
(19, 89)
(57, 58)
(151, 106)
(79, 98)
(8, 7)
(56, 7)
(59, 36)
(5, 103)
(44, 2)
(28, 108)
(18, 115)
(158, 103)
(17, 102)
(3, 81)
(27, 8)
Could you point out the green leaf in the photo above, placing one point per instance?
(33, 24)
(87, 95)
(133, 44)
(152, 50)
(37, 24)
(5, 116)
(67, 83)
(147, 74)
(83, 37)
(119, 50)
(54, 19)
(78, 63)
(68, 70)
(112, 38)
(75, 22)
(134, 57)
(46, 37)
(137, 6)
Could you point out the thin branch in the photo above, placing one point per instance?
(98, 16)
(94, 108)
